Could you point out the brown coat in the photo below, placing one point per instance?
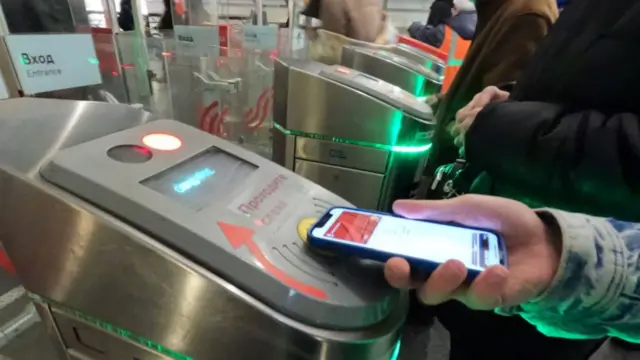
(507, 34)
(326, 47)
(360, 20)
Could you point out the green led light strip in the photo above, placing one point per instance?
(393, 148)
(128, 335)
(115, 330)
(396, 352)
(138, 339)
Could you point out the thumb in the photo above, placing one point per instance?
(486, 96)
(463, 209)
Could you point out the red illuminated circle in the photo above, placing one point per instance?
(163, 142)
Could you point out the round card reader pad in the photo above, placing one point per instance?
(303, 230)
(232, 212)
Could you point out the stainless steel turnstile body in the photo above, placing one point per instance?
(420, 57)
(352, 142)
(395, 69)
(107, 290)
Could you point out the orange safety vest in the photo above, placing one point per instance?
(180, 7)
(457, 49)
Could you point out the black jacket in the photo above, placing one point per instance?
(569, 136)
(430, 35)
(38, 16)
(125, 18)
(464, 24)
(166, 21)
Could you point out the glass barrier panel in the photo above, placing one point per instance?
(245, 115)
(219, 78)
(112, 76)
(132, 51)
(198, 92)
(160, 51)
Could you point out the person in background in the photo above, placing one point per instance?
(576, 142)
(433, 32)
(506, 35)
(362, 20)
(312, 9)
(568, 134)
(38, 16)
(356, 22)
(166, 21)
(125, 18)
(286, 23)
(571, 275)
(465, 19)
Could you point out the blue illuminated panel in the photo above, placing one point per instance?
(396, 351)
(193, 180)
(197, 182)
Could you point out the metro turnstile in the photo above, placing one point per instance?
(159, 241)
(395, 69)
(360, 137)
(420, 57)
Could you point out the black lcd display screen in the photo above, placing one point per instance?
(200, 180)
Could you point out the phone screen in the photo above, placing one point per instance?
(477, 249)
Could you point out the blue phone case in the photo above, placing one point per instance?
(418, 265)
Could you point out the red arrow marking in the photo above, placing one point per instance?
(5, 263)
(239, 236)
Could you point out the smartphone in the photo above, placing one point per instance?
(424, 244)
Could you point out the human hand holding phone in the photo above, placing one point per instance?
(532, 248)
(423, 244)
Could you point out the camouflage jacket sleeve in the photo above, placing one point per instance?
(596, 292)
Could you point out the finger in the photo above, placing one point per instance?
(488, 95)
(501, 96)
(517, 290)
(471, 210)
(485, 292)
(460, 128)
(477, 99)
(443, 283)
(498, 95)
(459, 141)
(463, 125)
(471, 116)
(398, 273)
(450, 128)
(482, 98)
(463, 114)
(455, 130)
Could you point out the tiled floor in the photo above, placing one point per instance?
(31, 344)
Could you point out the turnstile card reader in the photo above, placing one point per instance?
(159, 242)
(395, 69)
(230, 210)
(360, 137)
